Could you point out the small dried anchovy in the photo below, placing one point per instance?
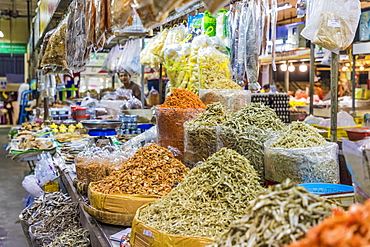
(303, 155)
(212, 196)
(246, 131)
(43, 206)
(282, 214)
(76, 237)
(202, 134)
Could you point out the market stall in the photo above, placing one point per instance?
(217, 163)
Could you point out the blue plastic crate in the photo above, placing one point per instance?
(326, 188)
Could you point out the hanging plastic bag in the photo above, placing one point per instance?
(54, 59)
(133, 60)
(209, 24)
(119, 11)
(333, 23)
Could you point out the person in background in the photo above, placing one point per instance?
(125, 78)
(265, 88)
(17, 108)
(317, 90)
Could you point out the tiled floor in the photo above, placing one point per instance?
(11, 194)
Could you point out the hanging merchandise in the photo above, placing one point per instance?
(240, 45)
(54, 59)
(209, 24)
(44, 45)
(234, 23)
(90, 23)
(333, 23)
(195, 25)
(222, 31)
(273, 33)
(111, 62)
(130, 58)
(146, 55)
(301, 8)
(174, 36)
(253, 44)
(119, 12)
(157, 47)
(76, 36)
(154, 12)
(100, 23)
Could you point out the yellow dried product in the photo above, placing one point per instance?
(174, 36)
(146, 55)
(153, 170)
(214, 67)
(159, 43)
(224, 84)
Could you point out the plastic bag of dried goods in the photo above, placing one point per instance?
(333, 23)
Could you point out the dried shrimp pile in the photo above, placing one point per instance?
(212, 196)
(153, 170)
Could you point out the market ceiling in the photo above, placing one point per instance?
(19, 8)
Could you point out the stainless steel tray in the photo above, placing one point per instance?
(101, 124)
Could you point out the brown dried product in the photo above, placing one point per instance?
(153, 170)
(55, 53)
(119, 12)
(90, 23)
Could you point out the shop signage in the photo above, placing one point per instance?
(97, 59)
(13, 48)
(46, 10)
(287, 55)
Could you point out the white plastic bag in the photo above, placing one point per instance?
(333, 23)
(343, 120)
(29, 183)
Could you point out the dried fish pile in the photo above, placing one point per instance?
(303, 155)
(212, 196)
(202, 134)
(299, 135)
(45, 231)
(282, 214)
(76, 237)
(153, 170)
(43, 206)
(246, 131)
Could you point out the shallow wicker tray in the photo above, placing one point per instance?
(108, 217)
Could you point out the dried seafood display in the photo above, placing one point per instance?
(282, 214)
(76, 237)
(303, 155)
(248, 129)
(68, 137)
(31, 126)
(34, 143)
(153, 170)
(208, 199)
(202, 134)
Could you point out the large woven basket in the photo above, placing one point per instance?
(108, 217)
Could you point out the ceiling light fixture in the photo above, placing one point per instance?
(362, 68)
(303, 67)
(344, 68)
(291, 67)
(284, 67)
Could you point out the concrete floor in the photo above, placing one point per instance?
(11, 194)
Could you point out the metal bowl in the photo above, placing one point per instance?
(101, 124)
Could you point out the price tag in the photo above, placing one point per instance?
(334, 23)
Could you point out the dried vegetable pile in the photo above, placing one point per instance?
(301, 154)
(76, 237)
(278, 216)
(181, 106)
(153, 170)
(343, 229)
(202, 134)
(212, 196)
(246, 131)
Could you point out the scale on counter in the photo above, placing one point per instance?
(101, 128)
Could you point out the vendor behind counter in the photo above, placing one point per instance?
(125, 78)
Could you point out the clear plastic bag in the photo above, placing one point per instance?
(44, 45)
(214, 66)
(170, 124)
(100, 23)
(119, 12)
(232, 99)
(130, 58)
(333, 23)
(302, 165)
(153, 98)
(146, 55)
(123, 94)
(41, 239)
(90, 23)
(54, 59)
(30, 184)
